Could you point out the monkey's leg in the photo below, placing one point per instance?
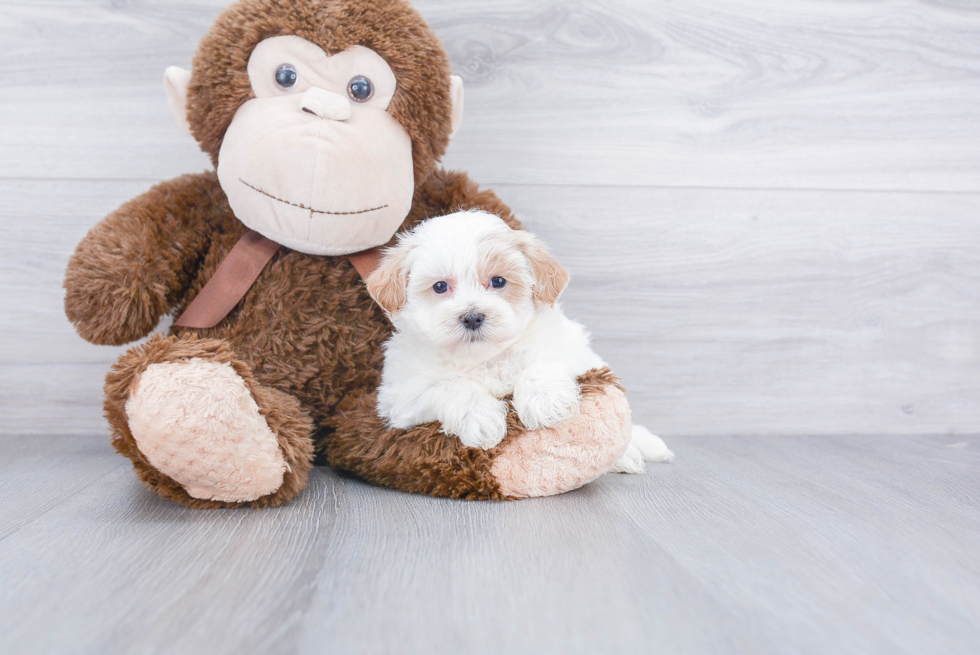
(527, 463)
(201, 430)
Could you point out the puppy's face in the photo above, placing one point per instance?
(467, 283)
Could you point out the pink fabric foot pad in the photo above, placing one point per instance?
(554, 460)
(196, 421)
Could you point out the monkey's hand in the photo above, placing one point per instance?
(136, 264)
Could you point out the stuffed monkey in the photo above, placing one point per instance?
(324, 120)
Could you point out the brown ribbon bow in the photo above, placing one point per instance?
(238, 271)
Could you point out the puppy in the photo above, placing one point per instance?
(474, 305)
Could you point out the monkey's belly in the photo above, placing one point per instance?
(307, 327)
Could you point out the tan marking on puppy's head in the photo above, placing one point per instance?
(504, 258)
(550, 278)
(388, 284)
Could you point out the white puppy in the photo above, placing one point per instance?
(474, 307)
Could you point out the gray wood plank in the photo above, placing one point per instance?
(50, 379)
(746, 312)
(856, 544)
(555, 575)
(724, 311)
(41, 223)
(751, 544)
(63, 399)
(118, 569)
(813, 95)
(38, 474)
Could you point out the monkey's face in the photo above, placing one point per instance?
(314, 161)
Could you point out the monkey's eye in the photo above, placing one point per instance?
(286, 76)
(440, 287)
(498, 282)
(360, 89)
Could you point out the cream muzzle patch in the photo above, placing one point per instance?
(314, 161)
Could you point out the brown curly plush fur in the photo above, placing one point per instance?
(423, 459)
(306, 338)
(282, 412)
(307, 328)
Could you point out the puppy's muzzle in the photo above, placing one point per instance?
(472, 321)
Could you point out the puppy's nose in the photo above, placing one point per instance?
(472, 321)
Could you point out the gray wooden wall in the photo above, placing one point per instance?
(771, 210)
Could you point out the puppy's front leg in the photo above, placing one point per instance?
(468, 411)
(545, 395)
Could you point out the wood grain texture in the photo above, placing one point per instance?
(743, 545)
(834, 94)
(38, 474)
(742, 305)
(748, 312)
(724, 311)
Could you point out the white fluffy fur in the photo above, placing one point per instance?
(437, 370)
(644, 446)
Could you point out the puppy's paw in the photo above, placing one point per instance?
(544, 401)
(630, 462)
(650, 446)
(484, 424)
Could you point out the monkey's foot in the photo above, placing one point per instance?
(201, 430)
(553, 460)
(197, 422)
(527, 463)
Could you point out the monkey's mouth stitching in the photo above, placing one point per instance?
(302, 206)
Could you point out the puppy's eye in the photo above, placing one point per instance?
(498, 282)
(286, 77)
(360, 89)
(440, 287)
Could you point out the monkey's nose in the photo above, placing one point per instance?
(325, 104)
(472, 321)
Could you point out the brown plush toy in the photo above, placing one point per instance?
(324, 119)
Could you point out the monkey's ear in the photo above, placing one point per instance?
(175, 82)
(388, 285)
(456, 95)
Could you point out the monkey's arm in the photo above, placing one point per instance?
(450, 191)
(542, 462)
(136, 264)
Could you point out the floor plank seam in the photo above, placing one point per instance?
(487, 183)
(60, 501)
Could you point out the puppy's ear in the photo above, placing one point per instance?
(550, 279)
(388, 285)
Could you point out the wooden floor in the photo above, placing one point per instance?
(743, 545)
(771, 214)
